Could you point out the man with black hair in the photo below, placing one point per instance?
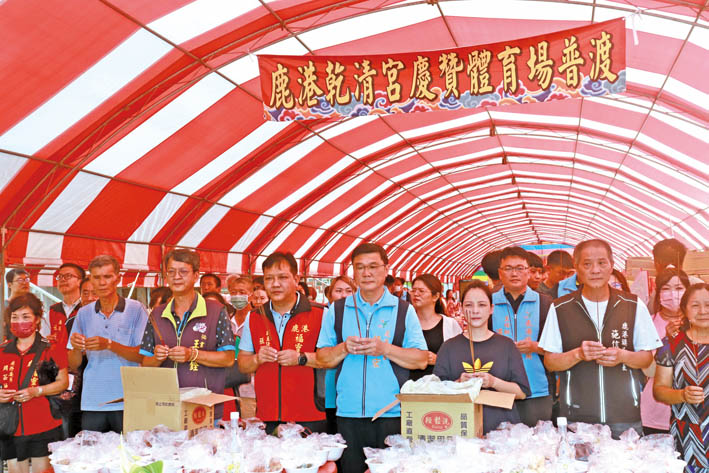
(491, 267)
(536, 270)
(519, 313)
(69, 277)
(18, 282)
(108, 333)
(599, 339)
(389, 282)
(560, 278)
(209, 282)
(373, 338)
(278, 346)
(189, 332)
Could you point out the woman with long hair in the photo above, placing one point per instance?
(426, 292)
(497, 360)
(23, 361)
(681, 379)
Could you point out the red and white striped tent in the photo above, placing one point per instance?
(133, 126)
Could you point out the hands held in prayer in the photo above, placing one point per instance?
(595, 351)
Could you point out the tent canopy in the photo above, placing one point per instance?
(130, 127)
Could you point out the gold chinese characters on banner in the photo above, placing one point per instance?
(585, 61)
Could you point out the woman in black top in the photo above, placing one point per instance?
(425, 293)
(497, 360)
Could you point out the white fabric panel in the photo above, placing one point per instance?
(308, 243)
(646, 23)
(136, 256)
(346, 126)
(388, 218)
(9, 167)
(199, 17)
(228, 158)
(514, 9)
(85, 93)
(446, 125)
(157, 218)
(150, 281)
(256, 268)
(156, 129)
(45, 280)
(374, 147)
(369, 24)
(44, 248)
(680, 89)
(323, 176)
(270, 170)
(329, 198)
(246, 68)
(234, 263)
(70, 203)
(278, 240)
(251, 233)
(204, 225)
(700, 37)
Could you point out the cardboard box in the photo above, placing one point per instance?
(151, 397)
(432, 417)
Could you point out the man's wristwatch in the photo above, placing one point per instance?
(302, 359)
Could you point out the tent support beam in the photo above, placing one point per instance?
(2, 283)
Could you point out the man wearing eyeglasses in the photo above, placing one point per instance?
(69, 277)
(189, 333)
(520, 313)
(18, 281)
(373, 338)
(108, 332)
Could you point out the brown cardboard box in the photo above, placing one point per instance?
(151, 397)
(442, 416)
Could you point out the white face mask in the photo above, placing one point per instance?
(670, 299)
(239, 301)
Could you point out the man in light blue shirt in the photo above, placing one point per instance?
(371, 355)
(108, 332)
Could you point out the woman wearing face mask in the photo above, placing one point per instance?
(671, 284)
(425, 292)
(497, 360)
(681, 379)
(19, 359)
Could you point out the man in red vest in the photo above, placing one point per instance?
(69, 277)
(278, 345)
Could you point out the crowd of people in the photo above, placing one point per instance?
(565, 336)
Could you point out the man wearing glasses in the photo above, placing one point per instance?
(373, 338)
(18, 281)
(108, 332)
(189, 333)
(69, 277)
(520, 313)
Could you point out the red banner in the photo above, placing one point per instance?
(586, 61)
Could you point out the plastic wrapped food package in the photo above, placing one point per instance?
(432, 384)
(211, 450)
(520, 449)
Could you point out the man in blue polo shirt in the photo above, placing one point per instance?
(359, 337)
(109, 332)
(520, 313)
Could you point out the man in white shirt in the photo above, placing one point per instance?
(599, 339)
